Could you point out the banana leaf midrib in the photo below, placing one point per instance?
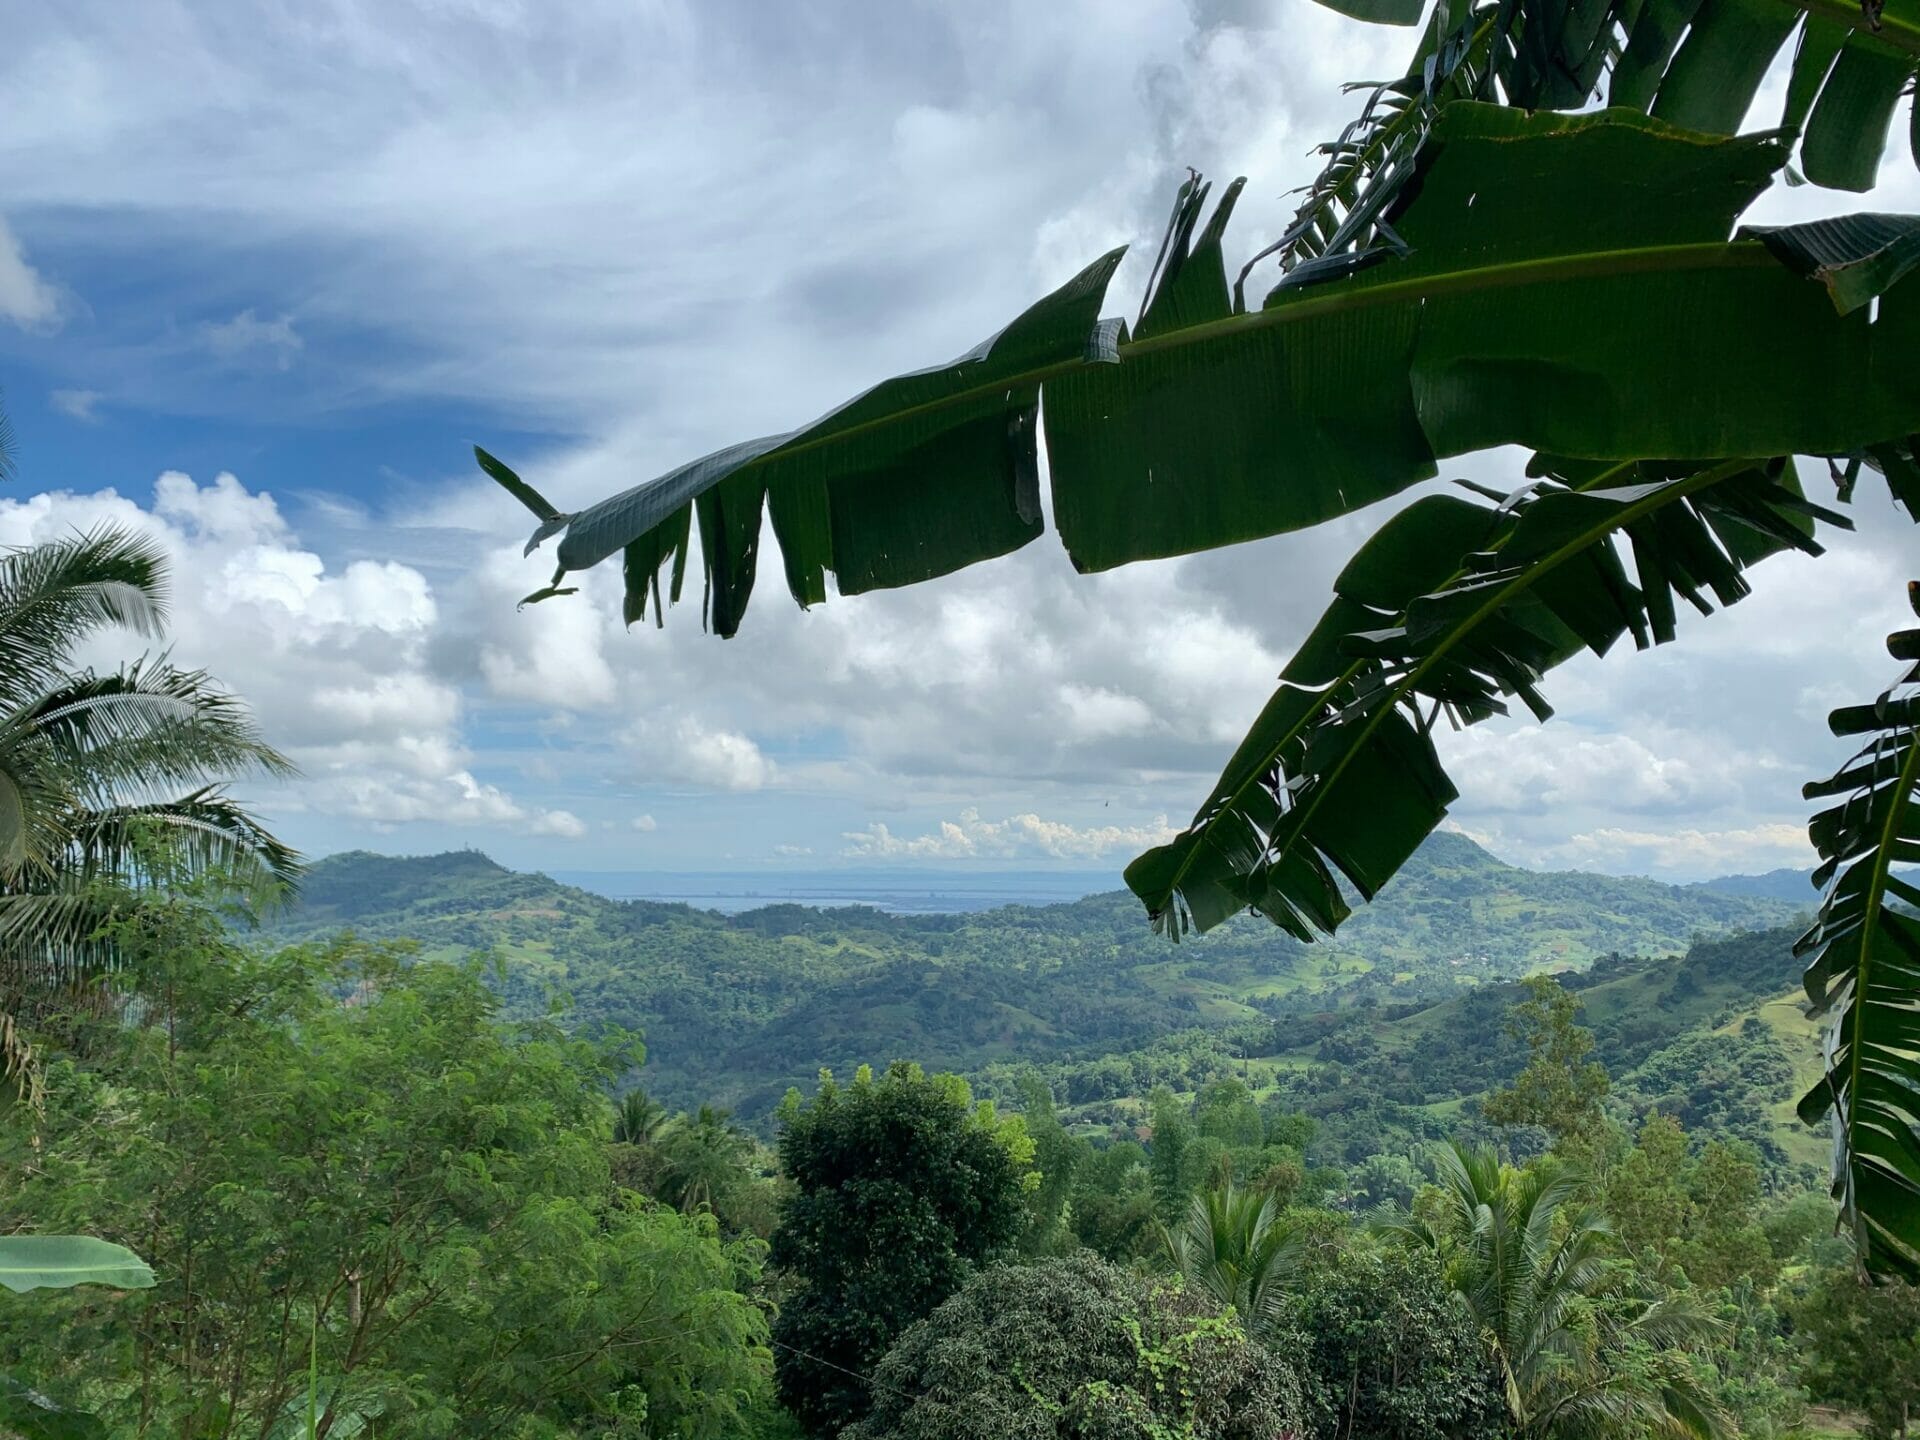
(1692, 485)
(1508, 274)
(1896, 31)
(1870, 921)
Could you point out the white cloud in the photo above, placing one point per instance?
(552, 654)
(971, 838)
(1690, 852)
(686, 750)
(645, 824)
(709, 221)
(562, 823)
(246, 338)
(26, 300)
(334, 662)
(81, 405)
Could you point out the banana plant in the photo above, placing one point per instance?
(1863, 968)
(1451, 607)
(1571, 283)
(60, 1262)
(1474, 268)
(1696, 63)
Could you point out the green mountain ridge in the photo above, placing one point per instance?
(737, 1008)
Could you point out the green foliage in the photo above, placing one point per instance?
(1864, 1341)
(59, 1262)
(640, 1119)
(1077, 1348)
(1169, 1158)
(736, 1009)
(1579, 1339)
(1717, 1083)
(1863, 968)
(1196, 428)
(901, 1187)
(108, 783)
(1236, 1250)
(1561, 1089)
(347, 1142)
(1696, 1213)
(1700, 66)
(1486, 260)
(1386, 1350)
(1058, 1158)
(30, 1415)
(1113, 1202)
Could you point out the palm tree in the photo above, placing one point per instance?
(1238, 1250)
(1582, 1346)
(706, 1159)
(640, 1119)
(110, 784)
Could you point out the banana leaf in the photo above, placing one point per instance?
(59, 1262)
(1863, 968)
(1567, 283)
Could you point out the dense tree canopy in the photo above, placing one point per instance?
(421, 1189)
(901, 1187)
(1388, 1351)
(1866, 1349)
(1077, 1347)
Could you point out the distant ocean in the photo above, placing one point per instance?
(901, 892)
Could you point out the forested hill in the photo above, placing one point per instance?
(736, 1008)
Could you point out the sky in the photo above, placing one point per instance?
(268, 271)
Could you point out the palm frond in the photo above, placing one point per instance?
(199, 834)
(54, 595)
(149, 725)
(1863, 968)
(1235, 1248)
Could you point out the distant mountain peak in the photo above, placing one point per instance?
(1453, 849)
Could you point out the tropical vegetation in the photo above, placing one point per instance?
(109, 783)
(1483, 261)
(1488, 1164)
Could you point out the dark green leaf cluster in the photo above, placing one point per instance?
(1078, 1348)
(1863, 967)
(1388, 1352)
(901, 1188)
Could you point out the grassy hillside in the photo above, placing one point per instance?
(736, 1008)
(1715, 1037)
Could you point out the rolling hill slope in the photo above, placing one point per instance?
(736, 1008)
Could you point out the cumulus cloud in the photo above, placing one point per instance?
(81, 405)
(332, 660)
(645, 824)
(971, 838)
(561, 823)
(26, 299)
(688, 750)
(677, 267)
